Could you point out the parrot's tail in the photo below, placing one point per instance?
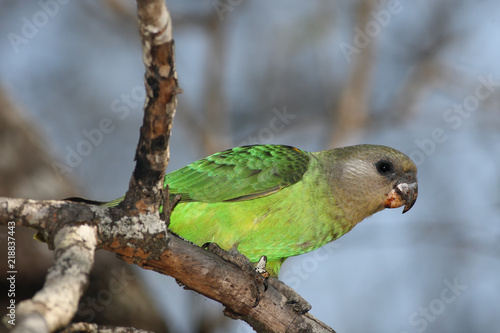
(113, 203)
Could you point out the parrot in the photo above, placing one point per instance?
(279, 201)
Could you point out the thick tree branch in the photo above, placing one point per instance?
(55, 305)
(139, 240)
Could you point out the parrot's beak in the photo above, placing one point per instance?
(404, 193)
(408, 193)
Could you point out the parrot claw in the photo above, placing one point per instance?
(260, 267)
(240, 260)
(261, 276)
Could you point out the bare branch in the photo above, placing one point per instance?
(152, 153)
(55, 305)
(46, 216)
(210, 275)
(140, 240)
(94, 328)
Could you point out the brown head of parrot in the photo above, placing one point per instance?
(402, 194)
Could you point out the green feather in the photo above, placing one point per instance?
(238, 174)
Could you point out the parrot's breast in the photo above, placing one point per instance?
(295, 220)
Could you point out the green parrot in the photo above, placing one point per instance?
(279, 201)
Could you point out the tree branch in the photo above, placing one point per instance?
(152, 154)
(74, 244)
(94, 328)
(139, 240)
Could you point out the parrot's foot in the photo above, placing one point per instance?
(299, 304)
(260, 268)
(257, 273)
(232, 255)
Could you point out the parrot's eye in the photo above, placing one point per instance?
(384, 167)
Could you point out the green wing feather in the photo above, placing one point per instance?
(239, 174)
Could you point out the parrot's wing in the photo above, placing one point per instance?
(240, 173)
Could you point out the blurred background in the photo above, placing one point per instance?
(420, 76)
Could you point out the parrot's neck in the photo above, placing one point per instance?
(348, 193)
